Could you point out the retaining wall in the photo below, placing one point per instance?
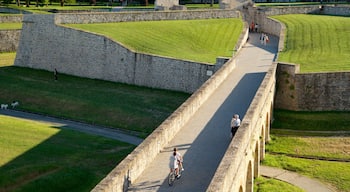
(144, 16)
(9, 39)
(85, 54)
(312, 91)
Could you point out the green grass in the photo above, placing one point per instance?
(318, 43)
(116, 105)
(320, 156)
(195, 40)
(262, 184)
(37, 156)
(311, 121)
(7, 26)
(335, 173)
(7, 59)
(329, 148)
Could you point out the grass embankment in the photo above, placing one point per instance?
(262, 184)
(318, 43)
(9, 26)
(314, 149)
(105, 103)
(195, 40)
(37, 156)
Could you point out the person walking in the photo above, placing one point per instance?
(235, 124)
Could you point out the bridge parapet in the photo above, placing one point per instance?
(234, 172)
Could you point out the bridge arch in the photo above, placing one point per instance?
(262, 143)
(249, 179)
(257, 158)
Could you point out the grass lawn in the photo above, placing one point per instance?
(195, 40)
(38, 156)
(7, 59)
(318, 43)
(324, 157)
(262, 184)
(7, 26)
(116, 105)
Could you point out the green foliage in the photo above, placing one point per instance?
(100, 102)
(195, 40)
(318, 43)
(40, 156)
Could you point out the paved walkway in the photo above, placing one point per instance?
(203, 141)
(205, 138)
(67, 124)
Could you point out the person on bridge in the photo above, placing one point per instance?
(174, 164)
(235, 123)
(179, 157)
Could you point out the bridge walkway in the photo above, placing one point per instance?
(205, 138)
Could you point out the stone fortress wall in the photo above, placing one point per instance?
(241, 161)
(45, 45)
(9, 39)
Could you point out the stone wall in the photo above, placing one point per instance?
(133, 165)
(241, 161)
(13, 11)
(312, 91)
(94, 56)
(9, 39)
(144, 16)
(11, 19)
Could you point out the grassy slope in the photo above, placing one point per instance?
(7, 26)
(283, 148)
(196, 40)
(94, 101)
(38, 156)
(317, 43)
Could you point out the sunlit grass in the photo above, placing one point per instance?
(262, 184)
(318, 43)
(7, 59)
(336, 173)
(41, 157)
(195, 40)
(7, 26)
(307, 150)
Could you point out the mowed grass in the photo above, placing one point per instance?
(262, 184)
(311, 121)
(7, 59)
(305, 149)
(40, 157)
(116, 105)
(318, 43)
(194, 40)
(9, 26)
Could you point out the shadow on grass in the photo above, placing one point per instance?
(66, 161)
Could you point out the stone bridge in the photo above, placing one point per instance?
(200, 127)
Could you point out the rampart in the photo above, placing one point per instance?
(9, 39)
(312, 91)
(240, 163)
(94, 56)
